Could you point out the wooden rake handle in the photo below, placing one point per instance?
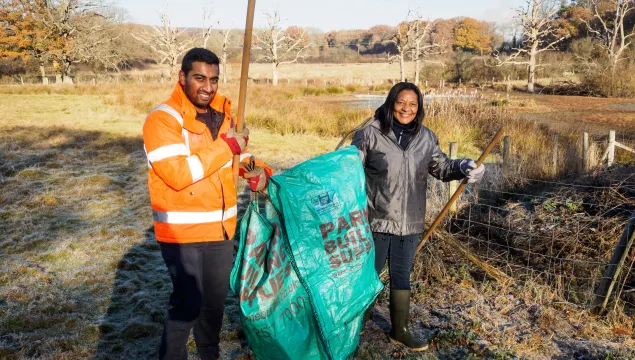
(244, 73)
(458, 191)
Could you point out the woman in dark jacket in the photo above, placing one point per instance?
(398, 153)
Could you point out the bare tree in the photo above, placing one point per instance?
(281, 46)
(207, 29)
(423, 45)
(98, 42)
(403, 44)
(167, 41)
(538, 30)
(223, 58)
(84, 30)
(608, 28)
(413, 38)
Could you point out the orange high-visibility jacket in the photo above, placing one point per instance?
(190, 179)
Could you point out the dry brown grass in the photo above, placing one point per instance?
(304, 110)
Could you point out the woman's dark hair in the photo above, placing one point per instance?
(198, 54)
(384, 113)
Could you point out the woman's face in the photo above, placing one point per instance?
(406, 107)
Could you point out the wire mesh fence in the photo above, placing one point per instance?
(561, 234)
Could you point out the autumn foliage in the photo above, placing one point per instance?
(470, 35)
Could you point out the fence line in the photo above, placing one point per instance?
(562, 239)
(560, 252)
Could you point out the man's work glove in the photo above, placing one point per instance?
(237, 140)
(257, 178)
(472, 172)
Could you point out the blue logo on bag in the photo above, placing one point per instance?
(325, 202)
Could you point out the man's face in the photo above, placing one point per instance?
(200, 84)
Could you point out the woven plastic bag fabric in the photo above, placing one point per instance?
(325, 220)
(276, 315)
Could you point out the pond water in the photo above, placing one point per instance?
(624, 106)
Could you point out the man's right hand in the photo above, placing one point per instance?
(237, 140)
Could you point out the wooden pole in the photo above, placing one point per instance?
(458, 192)
(454, 150)
(244, 73)
(555, 154)
(493, 272)
(614, 268)
(622, 146)
(585, 152)
(611, 154)
(507, 145)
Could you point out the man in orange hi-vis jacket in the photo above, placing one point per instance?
(190, 142)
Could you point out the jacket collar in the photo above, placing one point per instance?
(219, 103)
(391, 134)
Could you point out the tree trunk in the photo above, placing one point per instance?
(532, 68)
(66, 72)
(402, 66)
(417, 71)
(58, 72)
(274, 67)
(614, 60)
(225, 67)
(173, 67)
(45, 80)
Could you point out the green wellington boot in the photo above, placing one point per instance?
(399, 310)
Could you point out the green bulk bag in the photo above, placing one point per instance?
(325, 217)
(277, 318)
(317, 235)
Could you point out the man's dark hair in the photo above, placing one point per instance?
(385, 112)
(198, 54)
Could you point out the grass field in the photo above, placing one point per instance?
(375, 72)
(81, 275)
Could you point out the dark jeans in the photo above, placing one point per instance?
(400, 251)
(200, 281)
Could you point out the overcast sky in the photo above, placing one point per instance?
(323, 14)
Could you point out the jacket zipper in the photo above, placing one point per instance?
(408, 180)
(405, 168)
(405, 194)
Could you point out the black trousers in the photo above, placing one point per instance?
(400, 251)
(200, 281)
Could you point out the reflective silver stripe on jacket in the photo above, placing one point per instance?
(175, 217)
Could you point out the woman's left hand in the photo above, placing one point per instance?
(472, 173)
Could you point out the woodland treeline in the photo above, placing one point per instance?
(547, 38)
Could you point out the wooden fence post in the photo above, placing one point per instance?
(585, 152)
(614, 268)
(454, 151)
(611, 149)
(555, 154)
